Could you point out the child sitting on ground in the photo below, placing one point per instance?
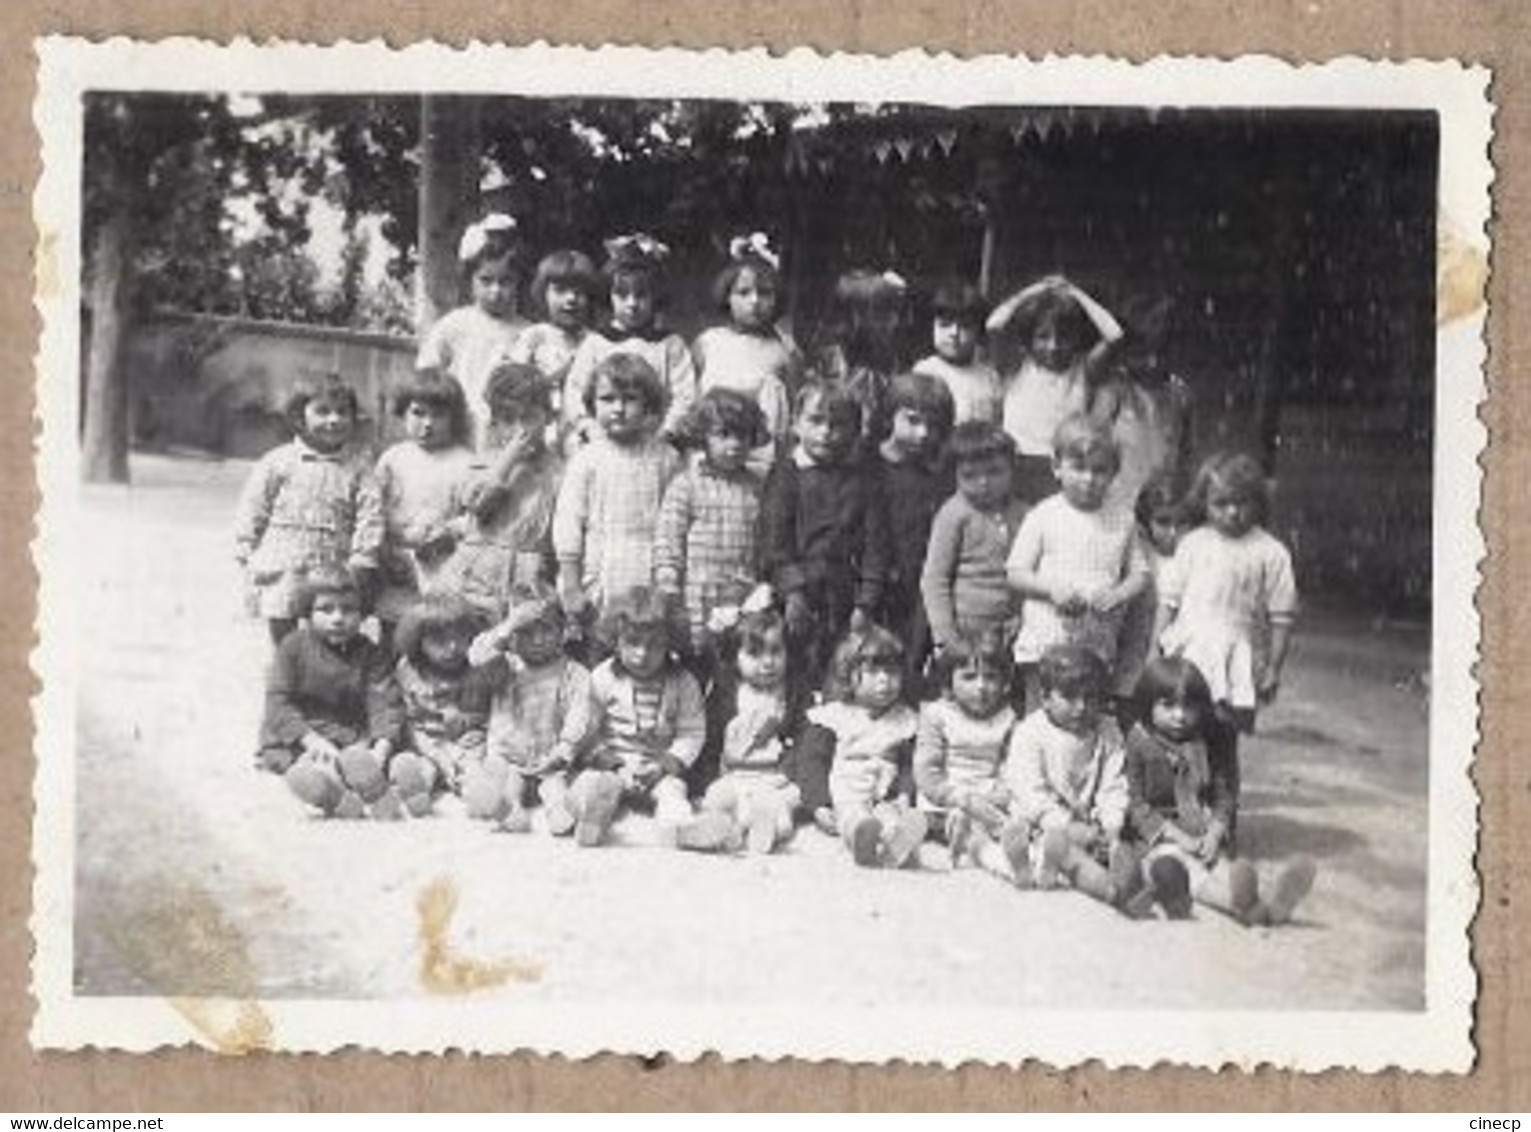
(960, 745)
(864, 733)
(539, 719)
(1066, 773)
(1076, 562)
(648, 723)
(309, 503)
(963, 583)
(608, 506)
(753, 792)
(1182, 802)
(957, 317)
(418, 479)
(333, 714)
(446, 700)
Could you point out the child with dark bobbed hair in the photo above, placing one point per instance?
(564, 291)
(958, 311)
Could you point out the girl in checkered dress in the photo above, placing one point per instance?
(704, 548)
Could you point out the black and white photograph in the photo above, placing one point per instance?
(667, 552)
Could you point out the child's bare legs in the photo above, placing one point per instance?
(1070, 853)
(883, 834)
(414, 778)
(485, 788)
(1232, 886)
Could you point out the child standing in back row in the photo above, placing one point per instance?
(635, 275)
(472, 340)
(957, 317)
(564, 289)
(748, 353)
(312, 502)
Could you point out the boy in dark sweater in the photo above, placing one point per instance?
(333, 711)
(822, 534)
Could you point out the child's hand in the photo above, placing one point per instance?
(1067, 599)
(1210, 844)
(576, 603)
(984, 811)
(799, 615)
(1084, 834)
(1268, 685)
(1104, 600)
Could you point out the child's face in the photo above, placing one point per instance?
(911, 436)
(1050, 346)
(494, 287)
(1085, 479)
(751, 300)
(978, 689)
(539, 643)
(327, 424)
(877, 687)
(1074, 710)
(429, 426)
(955, 341)
(642, 652)
(445, 649)
(568, 305)
(726, 451)
(825, 439)
(1230, 513)
(632, 303)
(987, 484)
(763, 663)
(1175, 719)
(1164, 531)
(335, 617)
(622, 414)
(528, 424)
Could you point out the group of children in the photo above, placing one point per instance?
(748, 593)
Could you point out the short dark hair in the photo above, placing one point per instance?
(628, 373)
(513, 389)
(875, 647)
(976, 441)
(436, 613)
(323, 579)
(960, 302)
(641, 609)
(723, 284)
(753, 626)
(567, 268)
(436, 390)
(725, 411)
(836, 398)
(1160, 494)
(324, 388)
(1170, 678)
(1072, 669)
(987, 649)
(923, 394)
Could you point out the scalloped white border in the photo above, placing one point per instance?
(1435, 1039)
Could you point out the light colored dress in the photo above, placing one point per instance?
(1037, 400)
(975, 388)
(468, 343)
(302, 508)
(550, 350)
(1090, 549)
(1056, 777)
(419, 489)
(760, 366)
(866, 752)
(1226, 593)
(667, 353)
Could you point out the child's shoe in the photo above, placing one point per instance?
(1125, 868)
(1171, 887)
(418, 805)
(516, 820)
(1293, 882)
(362, 772)
(409, 775)
(709, 832)
(902, 845)
(316, 786)
(1244, 894)
(959, 837)
(483, 797)
(559, 817)
(824, 817)
(1015, 840)
(866, 842)
(1055, 855)
(386, 807)
(351, 807)
(596, 808)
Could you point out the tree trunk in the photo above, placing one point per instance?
(104, 443)
(449, 184)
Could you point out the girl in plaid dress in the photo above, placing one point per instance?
(704, 548)
(310, 503)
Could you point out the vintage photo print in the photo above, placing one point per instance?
(582, 550)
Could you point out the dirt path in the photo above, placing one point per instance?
(197, 875)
